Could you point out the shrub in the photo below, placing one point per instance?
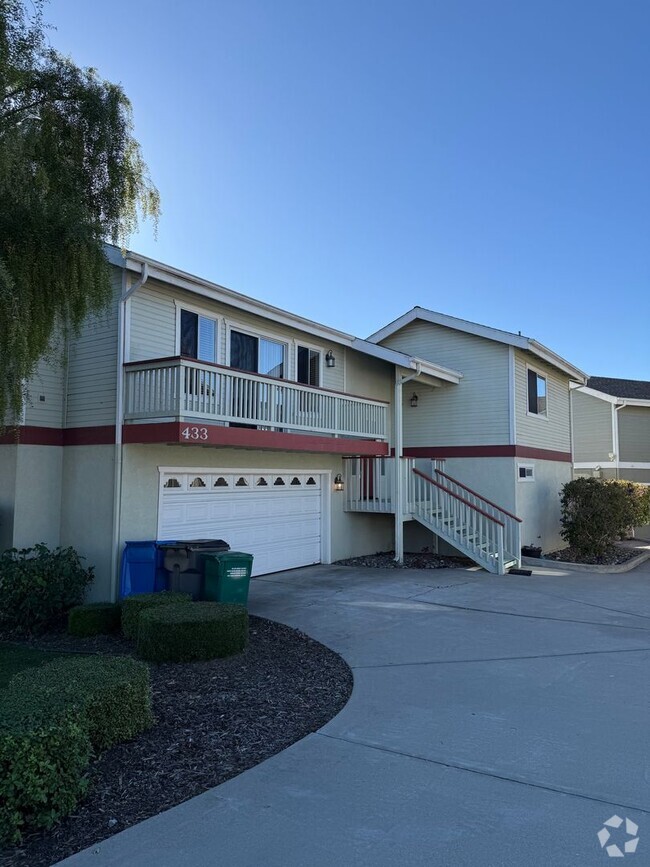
(38, 586)
(43, 759)
(595, 513)
(110, 694)
(183, 633)
(133, 606)
(96, 618)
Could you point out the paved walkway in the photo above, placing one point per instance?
(494, 721)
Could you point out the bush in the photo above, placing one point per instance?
(133, 606)
(38, 586)
(43, 759)
(595, 513)
(96, 618)
(183, 633)
(110, 694)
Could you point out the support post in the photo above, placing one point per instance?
(398, 475)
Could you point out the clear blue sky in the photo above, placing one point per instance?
(348, 160)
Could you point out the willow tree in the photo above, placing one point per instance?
(71, 178)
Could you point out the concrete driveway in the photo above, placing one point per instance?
(494, 721)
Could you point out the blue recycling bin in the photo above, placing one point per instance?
(142, 569)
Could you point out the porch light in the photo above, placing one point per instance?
(330, 361)
(338, 482)
(414, 400)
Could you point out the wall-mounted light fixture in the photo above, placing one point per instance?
(338, 482)
(330, 361)
(414, 400)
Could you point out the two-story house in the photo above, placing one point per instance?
(611, 429)
(188, 411)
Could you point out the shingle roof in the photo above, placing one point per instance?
(635, 389)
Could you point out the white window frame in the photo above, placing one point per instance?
(545, 377)
(321, 366)
(530, 478)
(256, 332)
(200, 311)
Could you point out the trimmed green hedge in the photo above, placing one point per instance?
(95, 618)
(111, 694)
(133, 606)
(43, 759)
(200, 630)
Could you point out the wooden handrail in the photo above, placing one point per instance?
(457, 497)
(178, 359)
(480, 496)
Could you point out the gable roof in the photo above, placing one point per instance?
(635, 389)
(134, 262)
(527, 344)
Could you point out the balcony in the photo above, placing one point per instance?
(184, 390)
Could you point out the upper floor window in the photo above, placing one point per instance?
(537, 403)
(308, 367)
(198, 338)
(257, 354)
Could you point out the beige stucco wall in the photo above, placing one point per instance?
(538, 503)
(7, 493)
(352, 534)
(87, 510)
(37, 510)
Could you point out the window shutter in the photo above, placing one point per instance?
(532, 391)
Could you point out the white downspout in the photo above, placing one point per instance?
(119, 419)
(398, 479)
(615, 437)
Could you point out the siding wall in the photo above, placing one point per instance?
(153, 330)
(475, 412)
(634, 434)
(551, 432)
(37, 503)
(47, 383)
(592, 427)
(92, 368)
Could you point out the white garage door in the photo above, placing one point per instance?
(277, 517)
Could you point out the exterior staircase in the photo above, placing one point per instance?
(474, 525)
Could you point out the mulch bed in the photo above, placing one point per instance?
(213, 720)
(385, 560)
(614, 557)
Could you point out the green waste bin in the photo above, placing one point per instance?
(227, 576)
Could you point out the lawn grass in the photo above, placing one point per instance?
(14, 658)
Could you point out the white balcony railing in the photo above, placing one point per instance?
(178, 387)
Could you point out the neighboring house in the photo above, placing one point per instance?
(611, 429)
(190, 411)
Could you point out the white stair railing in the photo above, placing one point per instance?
(511, 523)
(368, 484)
(454, 518)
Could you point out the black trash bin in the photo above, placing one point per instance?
(184, 564)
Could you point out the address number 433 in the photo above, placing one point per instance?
(194, 433)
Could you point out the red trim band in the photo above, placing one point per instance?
(245, 438)
(487, 452)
